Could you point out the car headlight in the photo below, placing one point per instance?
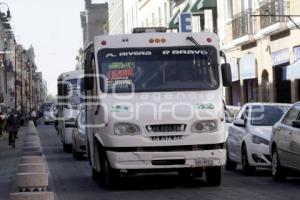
(205, 126)
(259, 140)
(125, 129)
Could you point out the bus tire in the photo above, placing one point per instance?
(109, 176)
(214, 176)
(67, 148)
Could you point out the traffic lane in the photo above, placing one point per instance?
(72, 180)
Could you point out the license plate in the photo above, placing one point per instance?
(205, 162)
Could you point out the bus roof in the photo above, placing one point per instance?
(71, 75)
(148, 40)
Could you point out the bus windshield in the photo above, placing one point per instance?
(75, 91)
(158, 69)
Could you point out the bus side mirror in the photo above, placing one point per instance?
(226, 75)
(62, 89)
(65, 89)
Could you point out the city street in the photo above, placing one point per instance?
(71, 179)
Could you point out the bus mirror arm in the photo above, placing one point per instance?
(97, 110)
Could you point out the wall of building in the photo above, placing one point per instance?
(272, 46)
(154, 13)
(116, 16)
(93, 20)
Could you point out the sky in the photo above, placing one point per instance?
(53, 27)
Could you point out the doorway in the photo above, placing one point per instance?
(251, 90)
(282, 87)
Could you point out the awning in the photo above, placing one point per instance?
(174, 23)
(203, 4)
(293, 71)
(248, 67)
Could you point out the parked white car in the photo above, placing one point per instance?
(285, 148)
(250, 135)
(79, 137)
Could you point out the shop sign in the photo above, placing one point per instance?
(280, 57)
(248, 67)
(297, 53)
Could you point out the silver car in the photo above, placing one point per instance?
(285, 144)
(79, 139)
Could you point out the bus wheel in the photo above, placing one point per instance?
(67, 148)
(214, 176)
(110, 177)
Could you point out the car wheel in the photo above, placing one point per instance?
(278, 173)
(95, 174)
(76, 155)
(67, 148)
(246, 168)
(109, 176)
(214, 176)
(230, 165)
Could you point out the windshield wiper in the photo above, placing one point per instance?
(193, 40)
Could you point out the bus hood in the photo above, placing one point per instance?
(165, 108)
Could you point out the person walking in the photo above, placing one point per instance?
(12, 129)
(1, 123)
(34, 117)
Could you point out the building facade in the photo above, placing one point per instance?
(204, 14)
(93, 20)
(123, 16)
(126, 15)
(260, 49)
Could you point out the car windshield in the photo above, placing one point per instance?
(267, 115)
(158, 69)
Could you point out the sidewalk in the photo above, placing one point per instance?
(9, 159)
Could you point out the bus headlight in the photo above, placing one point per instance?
(125, 129)
(205, 126)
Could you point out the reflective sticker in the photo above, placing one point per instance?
(205, 106)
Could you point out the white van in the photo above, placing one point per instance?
(154, 103)
(70, 87)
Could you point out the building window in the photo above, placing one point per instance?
(166, 14)
(159, 16)
(246, 4)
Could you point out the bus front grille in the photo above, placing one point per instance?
(166, 128)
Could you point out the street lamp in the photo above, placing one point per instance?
(8, 14)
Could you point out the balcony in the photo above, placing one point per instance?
(275, 7)
(273, 24)
(242, 28)
(242, 24)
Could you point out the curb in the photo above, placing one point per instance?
(32, 196)
(32, 179)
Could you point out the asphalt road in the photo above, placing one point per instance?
(71, 180)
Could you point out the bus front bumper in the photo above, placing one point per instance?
(166, 160)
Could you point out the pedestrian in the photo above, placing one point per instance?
(1, 123)
(34, 117)
(12, 129)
